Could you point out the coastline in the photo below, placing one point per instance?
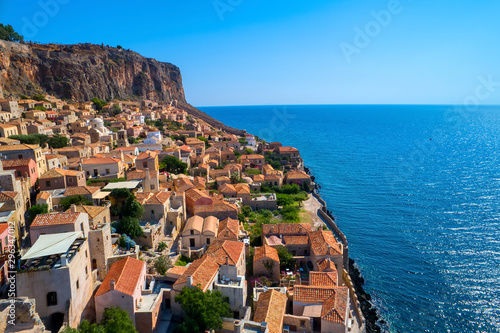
(361, 300)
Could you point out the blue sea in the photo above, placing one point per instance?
(416, 190)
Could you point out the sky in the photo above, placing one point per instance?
(242, 52)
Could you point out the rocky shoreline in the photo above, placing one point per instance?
(369, 312)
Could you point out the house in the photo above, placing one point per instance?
(54, 223)
(56, 161)
(12, 209)
(7, 130)
(182, 184)
(227, 190)
(150, 179)
(96, 214)
(92, 193)
(227, 154)
(164, 207)
(59, 178)
(266, 262)
(229, 229)
(147, 160)
(128, 150)
(200, 183)
(198, 234)
(252, 161)
(12, 107)
(263, 201)
(195, 197)
(298, 177)
(22, 126)
(55, 272)
(25, 151)
(219, 208)
(44, 198)
(103, 167)
(270, 309)
(122, 287)
(79, 127)
(25, 167)
(223, 180)
(243, 192)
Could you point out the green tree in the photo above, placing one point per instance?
(173, 165)
(162, 264)
(284, 199)
(31, 139)
(40, 108)
(99, 103)
(75, 200)
(248, 151)
(204, 310)
(34, 210)
(40, 98)
(246, 210)
(114, 320)
(116, 109)
(130, 226)
(132, 208)
(7, 33)
(58, 141)
(286, 258)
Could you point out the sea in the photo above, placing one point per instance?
(416, 190)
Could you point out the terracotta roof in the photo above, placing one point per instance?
(286, 228)
(266, 251)
(19, 147)
(126, 274)
(195, 194)
(100, 160)
(159, 198)
(219, 206)
(323, 279)
(228, 228)
(287, 149)
(223, 178)
(271, 309)
(93, 211)
(147, 155)
(7, 196)
(142, 197)
(218, 251)
(258, 178)
(297, 175)
(252, 157)
(194, 223)
(203, 271)
(43, 195)
(16, 163)
(227, 188)
(80, 190)
(326, 264)
(324, 243)
(141, 174)
(42, 220)
(177, 270)
(210, 223)
(56, 172)
(274, 240)
(3, 227)
(312, 294)
(296, 240)
(335, 307)
(242, 188)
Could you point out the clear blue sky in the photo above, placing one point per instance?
(243, 52)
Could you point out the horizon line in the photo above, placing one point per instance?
(348, 104)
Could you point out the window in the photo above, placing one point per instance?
(208, 241)
(104, 219)
(18, 173)
(86, 254)
(94, 264)
(52, 298)
(81, 226)
(47, 183)
(152, 186)
(191, 242)
(86, 271)
(20, 157)
(70, 179)
(145, 164)
(107, 171)
(192, 232)
(77, 284)
(152, 214)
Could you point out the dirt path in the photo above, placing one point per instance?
(311, 206)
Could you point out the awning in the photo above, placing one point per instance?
(100, 195)
(131, 184)
(47, 245)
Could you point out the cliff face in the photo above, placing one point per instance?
(81, 72)
(84, 71)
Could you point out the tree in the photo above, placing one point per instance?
(98, 103)
(162, 264)
(114, 320)
(131, 140)
(132, 208)
(75, 200)
(130, 226)
(116, 109)
(58, 141)
(204, 310)
(34, 210)
(284, 199)
(40, 98)
(7, 33)
(286, 258)
(173, 165)
(31, 139)
(248, 151)
(246, 210)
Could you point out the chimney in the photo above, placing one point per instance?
(189, 281)
(227, 260)
(112, 285)
(73, 208)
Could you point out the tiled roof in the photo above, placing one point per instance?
(203, 271)
(16, 163)
(100, 160)
(218, 251)
(326, 264)
(177, 270)
(323, 279)
(3, 227)
(141, 174)
(271, 309)
(228, 228)
(218, 206)
(126, 274)
(324, 243)
(19, 147)
(266, 251)
(93, 211)
(274, 240)
(297, 175)
(296, 240)
(252, 157)
(54, 219)
(242, 188)
(194, 223)
(335, 307)
(80, 190)
(287, 149)
(43, 195)
(227, 188)
(142, 197)
(56, 172)
(147, 155)
(195, 194)
(7, 196)
(311, 294)
(159, 198)
(286, 228)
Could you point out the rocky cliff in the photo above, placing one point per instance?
(83, 71)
